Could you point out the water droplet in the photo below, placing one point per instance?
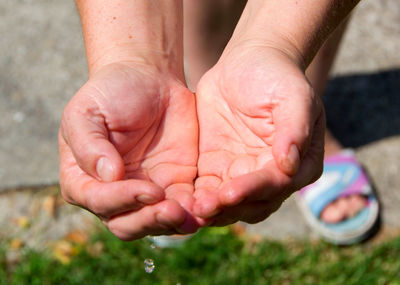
(149, 265)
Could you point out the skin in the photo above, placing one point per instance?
(260, 138)
(201, 53)
(284, 58)
(145, 124)
(129, 137)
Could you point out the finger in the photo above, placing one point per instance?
(183, 193)
(266, 184)
(103, 199)
(84, 129)
(253, 212)
(207, 203)
(270, 183)
(311, 166)
(256, 212)
(294, 119)
(109, 199)
(165, 217)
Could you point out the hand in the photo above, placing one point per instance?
(128, 150)
(261, 134)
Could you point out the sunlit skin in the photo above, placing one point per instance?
(253, 106)
(144, 121)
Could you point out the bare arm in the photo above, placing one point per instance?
(124, 30)
(260, 76)
(128, 137)
(298, 27)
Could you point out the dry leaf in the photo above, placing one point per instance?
(77, 237)
(49, 205)
(16, 243)
(22, 222)
(64, 251)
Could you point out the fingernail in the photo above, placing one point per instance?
(105, 170)
(292, 161)
(146, 199)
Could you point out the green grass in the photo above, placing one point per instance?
(213, 256)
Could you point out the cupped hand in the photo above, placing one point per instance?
(261, 134)
(128, 151)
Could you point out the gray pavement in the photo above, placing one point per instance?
(42, 64)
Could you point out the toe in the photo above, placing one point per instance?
(343, 208)
(332, 213)
(355, 204)
(343, 205)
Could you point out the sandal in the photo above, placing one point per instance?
(342, 176)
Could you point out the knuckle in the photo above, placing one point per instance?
(94, 205)
(67, 115)
(232, 197)
(66, 195)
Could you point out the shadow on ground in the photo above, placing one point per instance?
(364, 108)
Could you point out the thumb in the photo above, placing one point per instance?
(84, 130)
(294, 121)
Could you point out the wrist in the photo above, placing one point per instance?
(142, 55)
(263, 25)
(297, 28)
(148, 32)
(272, 44)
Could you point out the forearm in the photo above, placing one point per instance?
(133, 30)
(299, 27)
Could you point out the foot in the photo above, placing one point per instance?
(345, 207)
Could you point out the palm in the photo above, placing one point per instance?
(150, 118)
(153, 126)
(236, 129)
(239, 105)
